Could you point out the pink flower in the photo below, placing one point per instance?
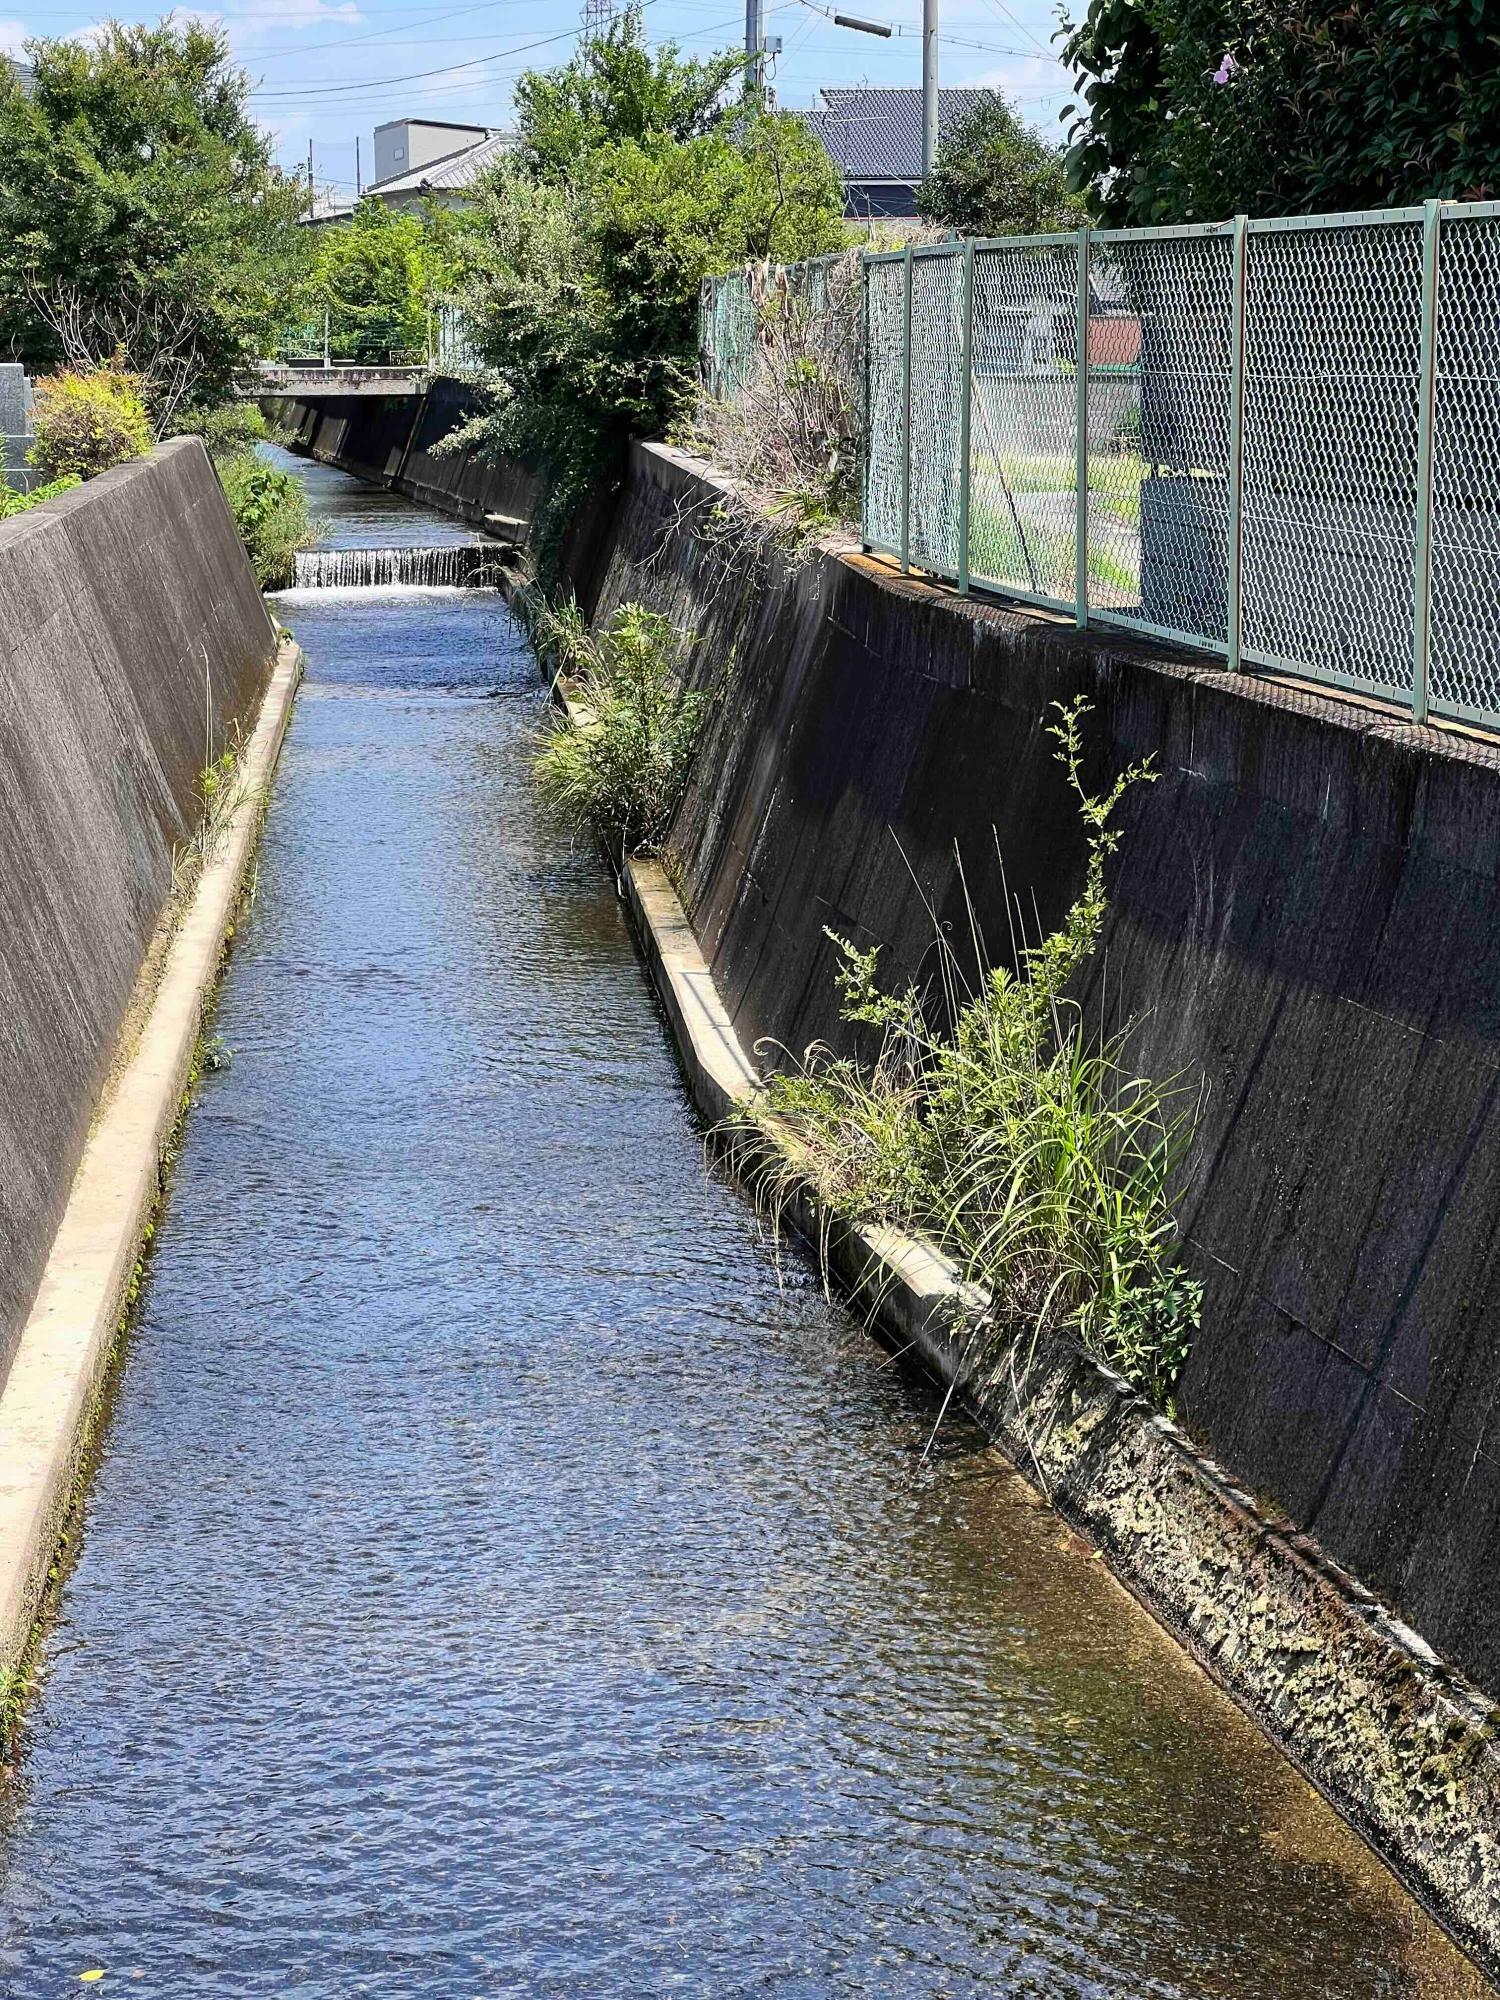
(1226, 69)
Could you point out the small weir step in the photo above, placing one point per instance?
(468, 565)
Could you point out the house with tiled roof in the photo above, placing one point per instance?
(418, 160)
(874, 136)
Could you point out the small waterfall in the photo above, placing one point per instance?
(465, 564)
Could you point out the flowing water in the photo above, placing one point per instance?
(363, 569)
(502, 1575)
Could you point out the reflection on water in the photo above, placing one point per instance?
(352, 515)
(500, 1580)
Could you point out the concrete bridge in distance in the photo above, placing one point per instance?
(334, 378)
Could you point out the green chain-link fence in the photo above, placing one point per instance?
(1276, 440)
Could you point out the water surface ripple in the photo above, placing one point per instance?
(503, 1576)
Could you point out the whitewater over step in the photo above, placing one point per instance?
(468, 565)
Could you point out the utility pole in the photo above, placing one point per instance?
(755, 49)
(929, 84)
(312, 199)
(358, 183)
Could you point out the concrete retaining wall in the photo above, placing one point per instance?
(389, 439)
(133, 642)
(1305, 913)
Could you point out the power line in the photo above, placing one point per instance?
(470, 92)
(1001, 11)
(951, 41)
(375, 34)
(420, 75)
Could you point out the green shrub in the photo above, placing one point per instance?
(635, 175)
(141, 213)
(994, 176)
(270, 511)
(225, 428)
(12, 502)
(618, 772)
(88, 420)
(1192, 110)
(377, 279)
(1027, 1149)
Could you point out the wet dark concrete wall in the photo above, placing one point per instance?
(132, 637)
(1305, 915)
(390, 439)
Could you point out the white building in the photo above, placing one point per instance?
(418, 159)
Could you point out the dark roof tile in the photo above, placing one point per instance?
(875, 133)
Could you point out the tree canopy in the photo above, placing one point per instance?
(378, 278)
(994, 176)
(584, 267)
(140, 212)
(615, 88)
(1198, 109)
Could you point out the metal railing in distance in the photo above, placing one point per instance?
(453, 344)
(1277, 440)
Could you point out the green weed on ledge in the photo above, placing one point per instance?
(1022, 1144)
(618, 770)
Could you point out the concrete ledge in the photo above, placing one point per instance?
(48, 1398)
(1400, 1744)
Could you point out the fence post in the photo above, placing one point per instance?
(1081, 438)
(965, 416)
(1235, 470)
(1432, 212)
(864, 397)
(906, 418)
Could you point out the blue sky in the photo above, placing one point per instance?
(330, 70)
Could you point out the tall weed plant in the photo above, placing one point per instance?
(1018, 1140)
(787, 420)
(617, 766)
(270, 512)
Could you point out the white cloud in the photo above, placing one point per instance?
(12, 35)
(271, 18)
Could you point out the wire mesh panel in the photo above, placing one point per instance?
(885, 421)
(1332, 370)
(726, 335)
(1022, 458)
(937, 389)
(1464, 677)
(1160, 325)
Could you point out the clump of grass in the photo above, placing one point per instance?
(270, 512)
(1024, 1146)
(617, 765)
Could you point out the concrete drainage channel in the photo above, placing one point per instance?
(1402, 1745)
(763, 1572)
